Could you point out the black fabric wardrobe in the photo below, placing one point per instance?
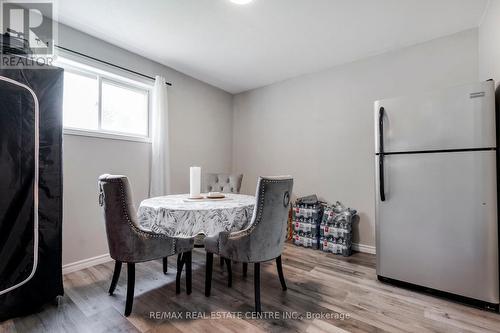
(20, 92)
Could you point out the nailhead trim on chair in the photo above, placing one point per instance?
(260, 212)
(138, 231)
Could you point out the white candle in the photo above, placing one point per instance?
(194, 182)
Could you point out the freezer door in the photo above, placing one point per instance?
(438, 224)
(455, 118)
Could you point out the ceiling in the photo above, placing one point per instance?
(241, 47)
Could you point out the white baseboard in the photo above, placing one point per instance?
(85, 263)
(364, 248)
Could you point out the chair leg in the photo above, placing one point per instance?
(256, 286)
(165, 265)
(229, 273)
(116, 276)
(280, 273)
(180, 264)
(208, 273)
(130, 288)
(188, 261)
(245, 269)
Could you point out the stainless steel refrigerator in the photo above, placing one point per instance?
(436, 192)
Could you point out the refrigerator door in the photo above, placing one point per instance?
(460, 117)
(438, 224)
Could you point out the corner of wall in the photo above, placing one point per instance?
(233, 133)
(489, 43)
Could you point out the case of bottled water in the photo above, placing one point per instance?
(336, 229)
(318, 225)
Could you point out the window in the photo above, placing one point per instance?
(80, 101)
(124, 109)
(102, 104)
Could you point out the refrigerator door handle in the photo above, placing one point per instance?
(381, 153)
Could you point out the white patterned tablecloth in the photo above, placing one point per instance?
(173, 215)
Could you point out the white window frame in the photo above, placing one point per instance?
(120, 81)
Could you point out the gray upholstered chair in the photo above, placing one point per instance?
(220, 182)
(263, 240)
(130, 243)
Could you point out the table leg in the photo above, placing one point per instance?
(208, 273)
(245, 269)
(188, 261)
(229, 273)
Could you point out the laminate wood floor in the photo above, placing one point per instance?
(344, 290)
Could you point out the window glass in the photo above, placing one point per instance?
(80, 101)
(124, 109)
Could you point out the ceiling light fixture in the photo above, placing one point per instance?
(241, 2)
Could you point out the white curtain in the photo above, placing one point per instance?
(160, 156)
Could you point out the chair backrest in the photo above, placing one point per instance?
(219, 182)
(270, 218)
(119, 214)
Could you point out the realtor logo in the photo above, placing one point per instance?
(27, 27)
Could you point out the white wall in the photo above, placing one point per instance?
(489, 43)
(323, 118)
(319, 127)
(200, 134)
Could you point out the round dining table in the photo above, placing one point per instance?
(177, 215)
